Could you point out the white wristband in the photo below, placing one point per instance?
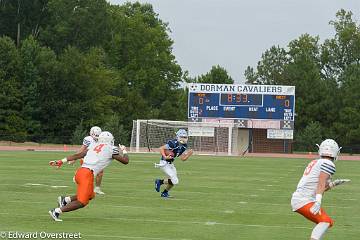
(318, 198)
(64, 160)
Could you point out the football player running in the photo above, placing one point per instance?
(94, 135)
(174, 148)
(96, 157)
(306, 200)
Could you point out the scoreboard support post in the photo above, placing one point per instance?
(230, 141)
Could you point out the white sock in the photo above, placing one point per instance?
(68, 199)
(319, 230)
(58, 210)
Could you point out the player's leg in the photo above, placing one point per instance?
(85, 186)
(98, 181)
(172, 179)
(319, 230)
(62, 201)
(322, 220)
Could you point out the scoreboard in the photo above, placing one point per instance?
(241, 102)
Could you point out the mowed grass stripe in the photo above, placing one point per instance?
(218, 198)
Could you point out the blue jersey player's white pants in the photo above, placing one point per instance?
(170, 170)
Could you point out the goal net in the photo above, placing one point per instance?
(204, 137)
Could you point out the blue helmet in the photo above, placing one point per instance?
(182, 136)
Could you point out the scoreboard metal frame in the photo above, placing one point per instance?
(259, 103)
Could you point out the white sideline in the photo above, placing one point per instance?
(45, 185)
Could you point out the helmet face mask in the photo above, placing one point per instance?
(95, 132)
(182, 136)
(106, 137)
(329, 148)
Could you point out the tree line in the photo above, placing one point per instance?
(68, 65)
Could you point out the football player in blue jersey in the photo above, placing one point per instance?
(172, 149)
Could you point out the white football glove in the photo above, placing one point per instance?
(315, 209)
(122, 149)
(338, 182)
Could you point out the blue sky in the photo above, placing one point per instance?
(234, 33)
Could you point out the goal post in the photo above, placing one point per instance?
(220, 138)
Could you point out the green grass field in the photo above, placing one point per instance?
(217, 198)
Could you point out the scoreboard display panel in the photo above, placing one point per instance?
(251, 102)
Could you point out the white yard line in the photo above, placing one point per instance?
(212, 223)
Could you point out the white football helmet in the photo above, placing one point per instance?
(182, 136)
(329, 148)
(95, 132)
(106, 137)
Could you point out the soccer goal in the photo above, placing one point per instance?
(204, 137)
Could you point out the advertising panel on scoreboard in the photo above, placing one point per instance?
(231, 101)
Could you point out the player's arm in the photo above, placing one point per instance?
(323, 180)
(82, 148)
(321, 188)
(78, 155)
(162, 152)
(121, 155)
(186, 155)
(331, 184)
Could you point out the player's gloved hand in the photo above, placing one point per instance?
(338, 182)
(122, 149)
(315, 209)
(58, 163)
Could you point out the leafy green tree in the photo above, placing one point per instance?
(342, 50)
(141, 51)
(311, 135)
(29, 74)
(79, 133)
(271, 69)
(82, 24)
(12, 124)
(114, 126)
(21, 18)
(347, 126)
(80, 90)
(217, 75)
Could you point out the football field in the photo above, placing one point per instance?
(217, 198)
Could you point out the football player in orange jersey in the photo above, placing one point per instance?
(94, 135)
(96, 157)
(306, 200)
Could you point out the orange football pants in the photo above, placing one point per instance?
(84, 179)
(82, 161)
(320, 217)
